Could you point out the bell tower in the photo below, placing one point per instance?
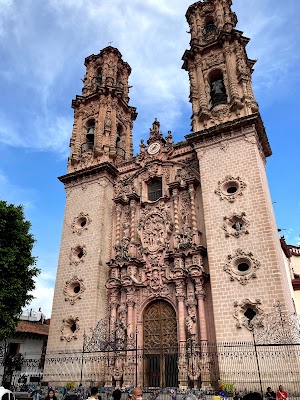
(232, 146)
(218, 66)
(103, 119)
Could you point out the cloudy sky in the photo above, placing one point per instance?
(43, 44)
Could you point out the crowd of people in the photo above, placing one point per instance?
(137, 394)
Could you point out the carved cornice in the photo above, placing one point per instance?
(227, 130)
(101, 169)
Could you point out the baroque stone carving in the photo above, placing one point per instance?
(77, 254)
(240, 308)
(230, 188)
(70, 328)
(212, 60)
(124, 188)
(236, 225)
(220, 112)
(73, 289)
(241, 266)
(155, 227)
(81, 223)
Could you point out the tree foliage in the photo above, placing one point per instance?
(17, 266)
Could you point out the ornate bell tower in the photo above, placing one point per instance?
(101, 140)
(232, 147)
(218, 66)
(103, 119)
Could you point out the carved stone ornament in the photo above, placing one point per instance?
(236, 225)
(220, 112)
(73, 289)
(155, 227)
(77, 254)
(124, 187)
(230, 188)
(241, 267)
(81, 223)
(240, 309)
(70, 328)
(212, 60)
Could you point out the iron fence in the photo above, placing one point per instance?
(248, 367)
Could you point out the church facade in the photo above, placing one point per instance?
(172, 248)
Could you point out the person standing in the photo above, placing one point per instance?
(281, 394)
(137, 394)
(116, 394)
(94, 393)
(50, 395)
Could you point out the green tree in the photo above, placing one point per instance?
(17, 266)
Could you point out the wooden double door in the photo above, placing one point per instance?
(160, 345)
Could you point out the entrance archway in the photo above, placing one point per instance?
(160, 345)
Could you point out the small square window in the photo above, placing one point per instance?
(155, 189)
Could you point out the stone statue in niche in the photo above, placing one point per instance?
(154, 276)
(133, 273)
(107, 123)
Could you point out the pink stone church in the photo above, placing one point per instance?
(170, 250)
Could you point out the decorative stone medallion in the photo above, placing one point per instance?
(248, 313)
(73, 289)
(155, 227)
(241, 266)
(70, 328)
(230, 188)
(81, 223)
(236, 225)
(77, 254)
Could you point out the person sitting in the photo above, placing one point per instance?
(253, 396)
(270, 394)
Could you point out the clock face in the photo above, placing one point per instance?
(154, 148)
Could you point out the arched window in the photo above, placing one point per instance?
(217, 88)
(99, 76)
(120, 141)
(155, 189)
(210, 27)
(90, 136)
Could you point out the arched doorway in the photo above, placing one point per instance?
(160, 345)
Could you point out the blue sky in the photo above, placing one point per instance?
(42, 49)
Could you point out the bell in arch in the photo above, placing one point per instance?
(90, 133)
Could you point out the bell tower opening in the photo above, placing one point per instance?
(89, 136)
(217, 88)
(210, 27)
(119, 139)
(160, 345)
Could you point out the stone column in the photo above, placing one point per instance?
(234, 94)
(176, 219)
(201, 85)
(78, 132)
(118, 223)
(193, 214)
(200, 296)
(132, 224)
(130, 329)
(182, 359)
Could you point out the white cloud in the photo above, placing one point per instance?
(43, 294)
(48, 45)
(14, 194)
(45, 134)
